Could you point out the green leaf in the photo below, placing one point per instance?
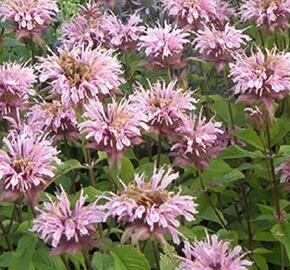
(249, 136)
(127, 170)
(284, 150)
(68, 166)
(167, 264)
(102, 261)
(129, 258)
(23, 254)
(78, 260)
(282, 233)
(42, 260)
(235, 151)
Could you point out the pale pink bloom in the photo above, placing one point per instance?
(198, 141)
(112, 127)
(26, 165)
(66, 229)
(164, 105)
(191, 13)
(164, 46)
(55, 118)
(223, 12)
(270, 14)
(16, 85)
(85, 29)
(78, 75)
(30, 17)
(123, 35)
(262, 77)
(284, 169)
(220, 45)
(213, 254)
(148, 209)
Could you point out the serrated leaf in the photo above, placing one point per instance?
(23, 254)
(102, 261)
(282, 233)
(235, 151)
(42, 260)
(249, 136)
(129, 258)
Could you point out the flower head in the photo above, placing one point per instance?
(220, 46)
(85, 29)
(113, 127)
(27, 165)
(148, 209)
(212, 254)
(79, 75)
(16, 85)
(53, 117)
(261, 77)
(270, 14)
(66, 229)
(164, 105)
(198, 142)
(30, 17)
(164, 45)
(123, 35)
(192, 13)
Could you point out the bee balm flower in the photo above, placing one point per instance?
(54, 117)
(85, 29)
(29, 17)
(164, 105)
(220, 46)
(79, 75)
(66, 229)
(262, 77)
(270, 14)
(123, 35)
(26, 165)
(112, 128)
(164, 45)
(198, 141)
(212, 254)
(148, 209)
(16, 85)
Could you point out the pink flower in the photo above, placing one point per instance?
(220, 45)
(212, 254)
(78, 75)
(123, 35)
(164, 45)
(148, 209)
(65, 229)
(85, 29)
(30, 17)
(270, 14)
(164, 105)
(53, 117)
(112, 128)
(198, 141)
(255, 117)
(223, 12)
(16, 85)
(190, 13)
(262, 77)
(27, 165)
(284, 168)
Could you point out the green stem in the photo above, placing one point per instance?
(247, 213)
(211, 203)
(12, 218)
(159, 150)
(156, 254)
(272, 175)
(262, 38)
(87, 259)
(2, 228)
